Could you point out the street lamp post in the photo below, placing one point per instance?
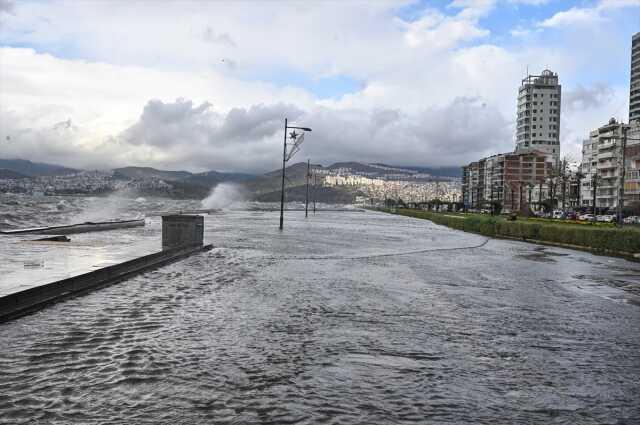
(287, 156)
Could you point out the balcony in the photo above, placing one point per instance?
(606, 155)
(606, 165)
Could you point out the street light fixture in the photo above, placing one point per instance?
(297, 139)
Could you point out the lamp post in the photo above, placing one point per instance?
(306, 199)
(287, 156)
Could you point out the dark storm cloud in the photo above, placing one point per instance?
(181, 123)
(451, 135)
(582, 98)
(6, 6)
(248, 138)
(210, 36)
(184, 135)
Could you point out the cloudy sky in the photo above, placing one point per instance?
(207, 84)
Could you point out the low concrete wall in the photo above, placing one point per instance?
(33, 299)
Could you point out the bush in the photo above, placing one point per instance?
(598, 238)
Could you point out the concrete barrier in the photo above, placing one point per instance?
(33, 299)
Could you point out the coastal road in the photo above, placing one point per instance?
(357, 317)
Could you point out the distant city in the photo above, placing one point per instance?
(368, 184)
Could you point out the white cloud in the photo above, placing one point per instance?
(530, 2)
(573, 16)
(587, 15)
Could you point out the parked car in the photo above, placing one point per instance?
(606, 218)
(558, 214)
(571, 216)
(634, 219)
(587, 217)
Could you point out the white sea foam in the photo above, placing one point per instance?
(224, 195)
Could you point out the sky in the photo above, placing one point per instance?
(206, 85)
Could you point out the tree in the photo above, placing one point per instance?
(496, 207)
(632, 208)
(548, 205)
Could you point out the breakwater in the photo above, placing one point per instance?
(24, 302)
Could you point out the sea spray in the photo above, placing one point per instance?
(223, 195)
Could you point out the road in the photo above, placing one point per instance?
(344, 318)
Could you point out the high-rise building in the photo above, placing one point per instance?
(539, 99)
(632, 152)
(602, 165)
(634, 86)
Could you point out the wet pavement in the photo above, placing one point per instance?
(354, 317)
(26, 262)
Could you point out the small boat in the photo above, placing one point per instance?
(88, 226)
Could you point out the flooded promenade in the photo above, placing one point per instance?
(346, 317)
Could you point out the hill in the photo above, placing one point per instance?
(296, 175)
(438, 171)
(212, 178)
(329, 195)
(8, 174)
(33, 169)
(143, 173)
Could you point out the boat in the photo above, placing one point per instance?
(89, 226)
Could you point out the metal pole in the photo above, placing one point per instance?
(540, 196)
(306, 200)
(315, 189)
(564, 183)
(595, 187)
(622, 176)
(284, 161)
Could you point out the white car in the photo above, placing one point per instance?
(634, 219)
(607, 218)
(587, 217)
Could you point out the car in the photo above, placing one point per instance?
(587, 217)
(606, 218)
(558, 214)
(571, 216)
(634, 219)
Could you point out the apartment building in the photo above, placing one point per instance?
(514, 180)
(538, 125)
(634, 86)
(632, 164)
(602, 156)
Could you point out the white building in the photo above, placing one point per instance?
(602, 165)
(539, 99)
(634, 86)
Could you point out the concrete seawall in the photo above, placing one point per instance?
(24, 302)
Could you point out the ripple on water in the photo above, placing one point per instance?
(239, 335)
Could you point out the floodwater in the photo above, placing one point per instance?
(345, 317)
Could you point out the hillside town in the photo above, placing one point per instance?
(79, 183)
(378, 183)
